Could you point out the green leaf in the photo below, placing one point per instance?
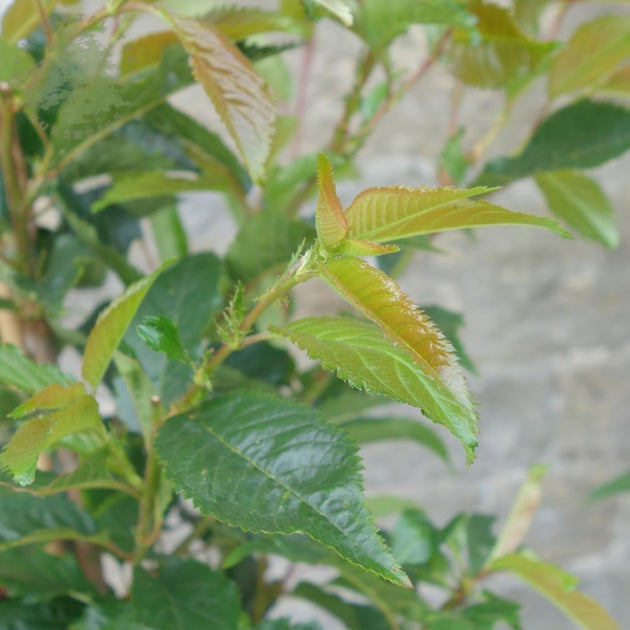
(414, 539)
(238, 23)
(25, 518)
(31, 571)
(20, 18)
(502, 56)
(189, 294)
(18, 370)
(168, 233)
(491, 611)
(618, 84)
(285, 624)
(278, 467)
(453, 158)
(376, 429)
(521, 515)
(145, 52)
(161, 335)
(380, 299)
(51, 398)
(378, 23)
(595, 50)
(15, 63)
(341, 9)
(449, 323)
(579, 200)
(35, 436)
(558, 588)
(142, 185)
(237, 92)
(620, 484)
(265, 243)
(389, 213)
(110, 328)
(58, 614)
(581, 135)
(332, 224)
(184, 595)
(360, 355)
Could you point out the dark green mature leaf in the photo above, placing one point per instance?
(493, 610)
(620, 484)
(286, 624)
(31, 571)
(354, 616)
(264, 242)
(414, 539)
(378, 23)
(189, 294)
(58, 614)
(266, 464)
(264, 362)
(503, 55)
(110, 327)
(25, 518)
(184, 595)
(106, 104)
(396, 212)
(18, 370)
(237, 92)
(378, 429)
(580, 201)
(37, 435)
(359, 354)
(595, 50)
(558, 587)
(581, 135)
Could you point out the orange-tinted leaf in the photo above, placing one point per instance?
(352, 247)
(237, 92)
(332, 225)
(389, 213)
(380, 299)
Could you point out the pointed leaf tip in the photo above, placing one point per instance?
(332, 223)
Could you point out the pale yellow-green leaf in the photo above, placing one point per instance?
(391, 213)
(37, 435)
(618, 84)
(351, 247)
(593, 52)
(241, 22)
(340, 8)
(54, 396)
(20, 19)
(332, 225)
(238, 93)
(361, 355)
(380, 299)
(521, 515)
(110, 328)
(558, 587)
(145, 52)
(578, 199)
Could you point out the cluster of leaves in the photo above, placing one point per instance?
(209, 404)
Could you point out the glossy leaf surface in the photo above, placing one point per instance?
(266, 464)
(237, 92)
(594, 51)
(579, 201)
(581, 135)
(558, 587)
(385, 214)
(359, 354)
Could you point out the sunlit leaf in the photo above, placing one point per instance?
(332, 224)
(110, 329)
(380, 299)
(276, 466)
(502, 55)
(594, 51)
(36, 435)
(360, 354)
(521, 515)
(390, 213)
(581, 135)
(18, 370)
(558, 587)
(581, 203)
(237, 92)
